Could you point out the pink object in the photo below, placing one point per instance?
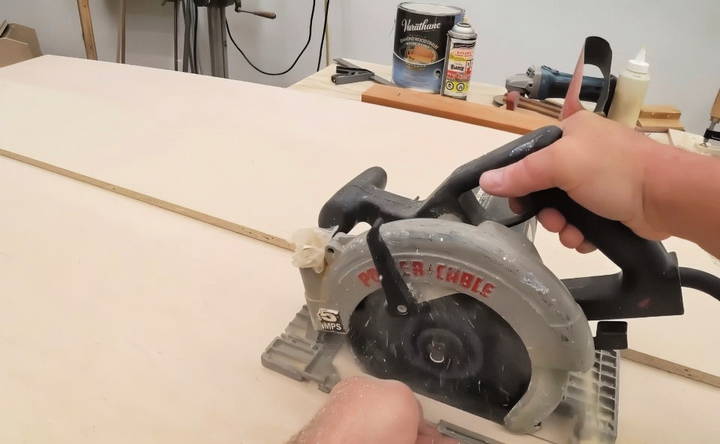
(572, 98)
(512, 99)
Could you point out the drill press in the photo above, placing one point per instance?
(217, 31)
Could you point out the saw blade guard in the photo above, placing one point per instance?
(491, 263)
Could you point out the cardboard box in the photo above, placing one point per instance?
(17, 43)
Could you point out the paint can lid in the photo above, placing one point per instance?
(430, 9)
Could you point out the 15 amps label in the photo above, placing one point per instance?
(330, 320)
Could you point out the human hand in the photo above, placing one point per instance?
(362, 410)
(599, 163)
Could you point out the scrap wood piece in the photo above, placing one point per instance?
(659, 125)
(659, 112)
(436, 105)
(513, 100)
(671, 367)
(178, 209)
(87, 29)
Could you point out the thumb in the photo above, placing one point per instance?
(533, 173)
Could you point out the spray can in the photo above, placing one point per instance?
(460, 50)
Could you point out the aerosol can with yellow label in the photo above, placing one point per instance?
(459, 55)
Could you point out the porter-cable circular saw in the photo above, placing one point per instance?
(449, 295)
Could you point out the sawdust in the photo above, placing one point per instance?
(533, 282)
(310, 244)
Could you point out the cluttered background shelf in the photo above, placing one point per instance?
(511, 36)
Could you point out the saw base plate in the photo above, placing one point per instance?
(588, 411)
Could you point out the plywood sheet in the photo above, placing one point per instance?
(122, 322)
(259, 156)
(125, 323)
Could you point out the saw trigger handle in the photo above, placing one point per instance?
(447, 198)
(649, 282)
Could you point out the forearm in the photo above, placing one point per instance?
(682, 195)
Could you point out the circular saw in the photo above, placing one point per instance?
(450, 296)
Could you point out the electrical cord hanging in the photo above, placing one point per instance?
(322, 38)
(302, 51)
(190, 59)
(195, 39)
(700, 280)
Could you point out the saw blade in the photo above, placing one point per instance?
(454, 349)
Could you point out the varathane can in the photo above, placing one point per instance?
(459, 54)
(420, 44)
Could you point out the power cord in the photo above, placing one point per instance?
(195, 40)
(190, 58)
(700, 280)
(322, 38)
(302, 51)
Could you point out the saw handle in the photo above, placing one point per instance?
(648, 284)
(619, 243)
(446, 198)
(364, 199)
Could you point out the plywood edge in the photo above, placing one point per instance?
(169, 206)
(671, 367)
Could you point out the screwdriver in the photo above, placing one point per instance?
(710, 133)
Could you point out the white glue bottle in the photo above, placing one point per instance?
(630, 91)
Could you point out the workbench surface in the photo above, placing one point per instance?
(126, 323)
(320, 83)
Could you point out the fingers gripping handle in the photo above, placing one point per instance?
(634, 255)
(621, 245)
(649, 284)
(364, 199)
(465, 178)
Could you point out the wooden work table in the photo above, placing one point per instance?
(123, 322)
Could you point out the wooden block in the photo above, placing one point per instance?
(87, 29)
(436, 105)
(659, 125)
(659, 112)
(18, 43)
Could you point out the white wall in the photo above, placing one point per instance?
(682, 38)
